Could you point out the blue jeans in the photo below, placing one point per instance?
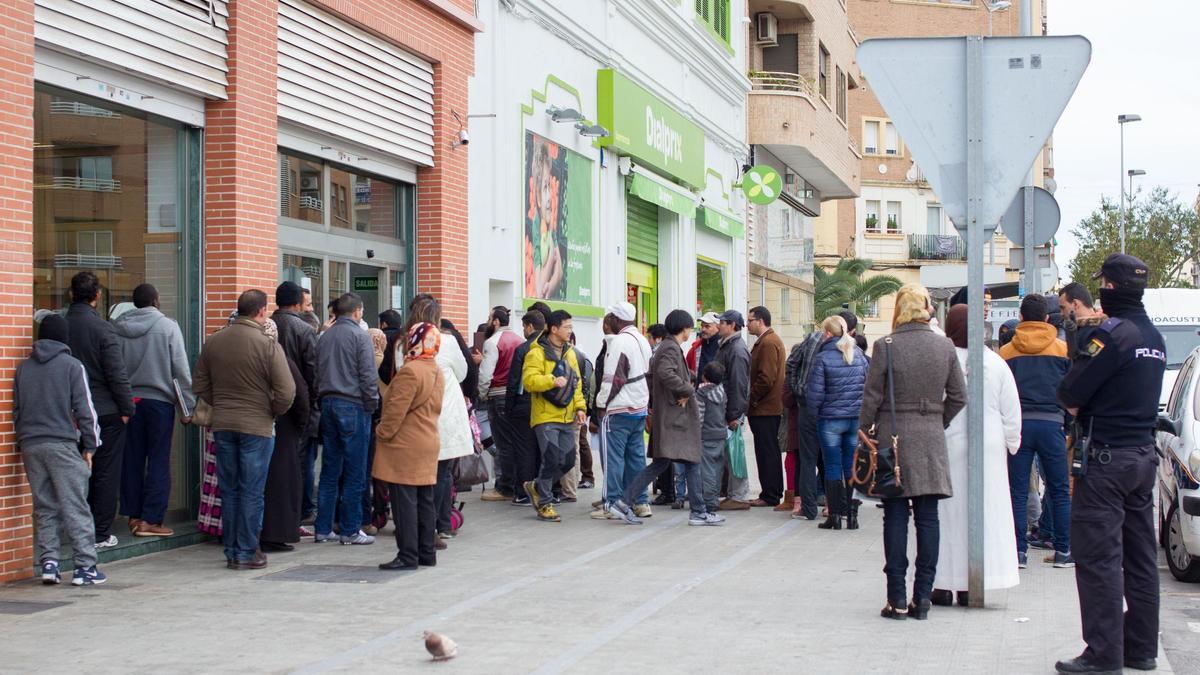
(839, 437)
(626, 455)
(242, 462)
(1047, 441)
(895, 546)
(346, 432)
(146, 467)
(308, 468)
(679, 470)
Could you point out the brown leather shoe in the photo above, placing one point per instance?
(440, 544)
(759, 503)
(134, 524)
(258, 562)
(734, 505)
(151, 530)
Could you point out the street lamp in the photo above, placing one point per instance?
(993, 6)
(1121, 120)
(1131, 173)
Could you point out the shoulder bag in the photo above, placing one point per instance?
(561, 397)
(877, 466)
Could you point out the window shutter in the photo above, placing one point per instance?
(642, 225)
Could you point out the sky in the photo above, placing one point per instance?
(1144, 62)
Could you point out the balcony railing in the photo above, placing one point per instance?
(73, 260)
(87, 184)
(936, 247)
(77, 108)
(788, 82)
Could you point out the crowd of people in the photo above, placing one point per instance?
(392, 413)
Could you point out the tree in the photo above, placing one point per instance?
(1159, 229)
(845, 284)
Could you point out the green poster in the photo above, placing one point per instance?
(558, 222)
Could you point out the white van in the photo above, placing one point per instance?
(1176, 314)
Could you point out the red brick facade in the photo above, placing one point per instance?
(240, 184)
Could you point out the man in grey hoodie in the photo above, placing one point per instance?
(155, 359)
(58, 431)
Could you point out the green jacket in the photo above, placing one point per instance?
(537, 375)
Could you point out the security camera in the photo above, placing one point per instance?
(463, 137)
(370, 253)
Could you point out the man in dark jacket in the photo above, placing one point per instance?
(517, 408)
(808, 458)
(734, 357)
(768, 370)
(94, 342)
(299, 343)
(1039, 363)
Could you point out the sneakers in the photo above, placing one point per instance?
(522, 501)
(322, 538)
(447, 535)
(678, 505)
(534, 497)
(627, 514)
(698, 520)
(358, 539)
(1063, 560)
(1044, 544)
(306, 531)
(494, 496)
(145, 529)
(50, 575)
(547, 513)
(586, 484)
(604, 512)
(110, 542)
(662, 500)
(642, 511)
(1022, 560)
(84, 576)
(734, 505)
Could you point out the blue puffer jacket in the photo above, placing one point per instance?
(835, 388)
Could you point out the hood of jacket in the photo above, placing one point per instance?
(138, 322)
(552, 354)
(1034, 337)
(45, 350)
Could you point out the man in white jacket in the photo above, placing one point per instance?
(623, 402)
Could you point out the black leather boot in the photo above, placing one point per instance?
(835, 496)
(851, 508)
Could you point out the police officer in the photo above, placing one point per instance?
(1114, 387)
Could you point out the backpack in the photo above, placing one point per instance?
(561, 397)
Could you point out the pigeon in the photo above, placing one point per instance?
(439, 646)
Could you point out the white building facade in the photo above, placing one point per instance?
(607, 173)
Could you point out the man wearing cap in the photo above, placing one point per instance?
(704, 348)
(623, 402)
(735, 358)
(1113, 389)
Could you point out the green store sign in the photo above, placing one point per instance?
(643, 126)
(671, 198)
(721, 222)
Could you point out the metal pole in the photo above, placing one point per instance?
(1121, 184)
(1032, 278)
(975, 241)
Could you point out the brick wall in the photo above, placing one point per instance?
(16, 272)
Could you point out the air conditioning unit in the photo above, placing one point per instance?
(310, 182)
(767, 29)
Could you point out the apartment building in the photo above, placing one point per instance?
(897, 221)
(802, 71)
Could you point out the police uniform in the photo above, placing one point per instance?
(1115, 383)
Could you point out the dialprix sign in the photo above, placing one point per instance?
(644, 127)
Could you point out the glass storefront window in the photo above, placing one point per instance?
(310, 274)
(339, 281)
(301, 189)
(710, 287)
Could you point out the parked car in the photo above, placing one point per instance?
(1178, 444)
(1174, 313)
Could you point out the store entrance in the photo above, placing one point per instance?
(368, 281)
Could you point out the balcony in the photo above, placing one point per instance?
(936, 247)
(790, 82)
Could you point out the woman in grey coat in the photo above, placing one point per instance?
(674, 424)
(929, 391)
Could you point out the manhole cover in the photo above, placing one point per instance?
(17, 607)
(334, 574)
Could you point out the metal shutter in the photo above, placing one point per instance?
(339, 79)
(642, 226)
(181, 43)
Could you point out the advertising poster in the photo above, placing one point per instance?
(558, 222)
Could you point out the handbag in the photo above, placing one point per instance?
(471, 469)
(877, 467)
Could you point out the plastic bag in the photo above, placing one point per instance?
(737, 454)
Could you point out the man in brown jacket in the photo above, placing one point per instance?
(243, 374)
(768, 365)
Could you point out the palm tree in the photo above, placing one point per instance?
(845, 284)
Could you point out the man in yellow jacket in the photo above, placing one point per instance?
(552, 377)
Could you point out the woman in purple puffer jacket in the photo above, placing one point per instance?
(834, 396)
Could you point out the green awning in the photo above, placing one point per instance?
(667, 196)
(721, 222)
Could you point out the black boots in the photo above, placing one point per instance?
(835, 497)
(851, 508)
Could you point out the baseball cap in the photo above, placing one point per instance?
(622, 310)
(734, 317)
(1124, 271)
(710, 318)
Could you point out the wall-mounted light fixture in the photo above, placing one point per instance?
(561, 115)
(591, 130)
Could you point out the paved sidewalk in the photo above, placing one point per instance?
(762, 594)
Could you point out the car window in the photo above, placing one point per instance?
(1174, 403)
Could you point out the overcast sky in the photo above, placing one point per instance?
(1144, 61)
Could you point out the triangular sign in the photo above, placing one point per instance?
(922, 84)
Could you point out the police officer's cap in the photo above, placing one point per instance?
(1124, 271)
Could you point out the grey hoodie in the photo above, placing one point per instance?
(42, 411)
(711, 399)
(154, 353)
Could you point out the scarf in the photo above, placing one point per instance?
(956, 325)
(424, 341)
(1121, 301)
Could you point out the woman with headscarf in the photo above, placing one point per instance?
(407, 447)
(284, 488)
(1001, 437)
(928, 389)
